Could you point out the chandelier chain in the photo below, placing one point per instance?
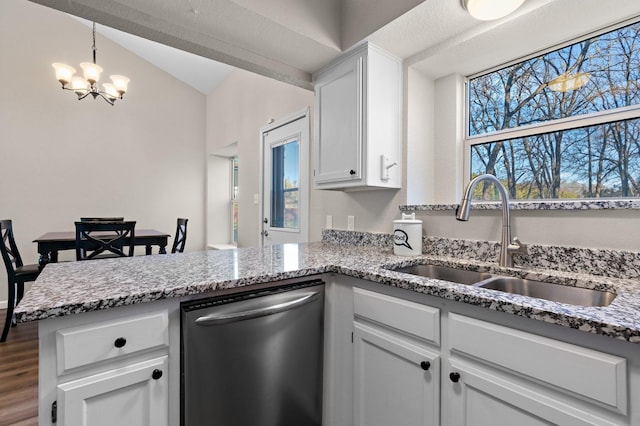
(94, 42)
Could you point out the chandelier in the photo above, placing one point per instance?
(88, 85)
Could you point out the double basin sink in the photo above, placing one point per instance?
(539, 289)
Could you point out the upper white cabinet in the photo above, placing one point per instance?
(358, 110)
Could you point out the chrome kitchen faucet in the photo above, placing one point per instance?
(508, 247)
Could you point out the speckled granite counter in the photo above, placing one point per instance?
(75, 287)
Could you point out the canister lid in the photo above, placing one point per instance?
(408, 218)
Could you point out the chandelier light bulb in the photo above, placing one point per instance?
(64, 72)
(80, 85)
(111, 91)
(91, 72)
(120, 82)
(486, 10)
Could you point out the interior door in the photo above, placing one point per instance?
(285, 180)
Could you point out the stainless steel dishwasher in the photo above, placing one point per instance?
(254, 359)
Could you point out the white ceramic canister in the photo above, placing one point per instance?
(407, 236)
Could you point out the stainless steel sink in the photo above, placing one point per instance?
(554, 292)
(445, 273)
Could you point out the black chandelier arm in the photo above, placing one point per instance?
(95, 93)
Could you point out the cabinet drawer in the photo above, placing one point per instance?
(409, 317)
(87, 344)
(582, 372)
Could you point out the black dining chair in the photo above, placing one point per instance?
(102, 219)
(181, 236)
(99, 240)
(17, 273)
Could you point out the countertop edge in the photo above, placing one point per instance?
(370, 265)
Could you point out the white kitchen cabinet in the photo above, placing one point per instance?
(397, 376)
(358, 111)
(480, 397)
(395, 382)
(486, 367)
(136, 394)
(107, 368)
(498, 375)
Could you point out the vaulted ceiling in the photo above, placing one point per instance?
(290, 39)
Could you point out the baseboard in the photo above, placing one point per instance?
(3, 304)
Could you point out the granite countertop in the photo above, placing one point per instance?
(76, 287)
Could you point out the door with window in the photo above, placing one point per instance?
(285, 180)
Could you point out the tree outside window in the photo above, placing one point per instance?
(563, 124)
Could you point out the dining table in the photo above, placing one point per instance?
(50, 243)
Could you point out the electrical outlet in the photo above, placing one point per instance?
(351, 223)
(329, 224)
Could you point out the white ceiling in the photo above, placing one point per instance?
(203, 74)
(290, 39)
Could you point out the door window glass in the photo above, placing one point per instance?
(285, 191)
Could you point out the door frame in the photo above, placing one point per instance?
(305, 143)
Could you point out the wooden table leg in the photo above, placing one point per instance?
(44, 259)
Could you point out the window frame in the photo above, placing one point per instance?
(561, 124)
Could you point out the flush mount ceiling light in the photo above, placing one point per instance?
(486, 10)
(88, 85)
(567, 82)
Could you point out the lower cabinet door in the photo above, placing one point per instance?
(396, 381)
(136, 394)
(477, 397)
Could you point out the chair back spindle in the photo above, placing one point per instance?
(17, 273)
(97, 240)
(181, 236)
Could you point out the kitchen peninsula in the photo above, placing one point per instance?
(78, 303)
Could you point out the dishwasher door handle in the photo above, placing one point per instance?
(215, 319)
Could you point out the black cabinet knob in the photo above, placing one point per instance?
(156, 374)
(425, 365)
(454, 377)
(120, 342)
(352, 172)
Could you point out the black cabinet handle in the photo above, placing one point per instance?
(156, 374)
(120, 342)
(425, 365)
(454, 377)
(352, 172)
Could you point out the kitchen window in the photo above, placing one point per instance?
(561, 124)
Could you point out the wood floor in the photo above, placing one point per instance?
(19, 375)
